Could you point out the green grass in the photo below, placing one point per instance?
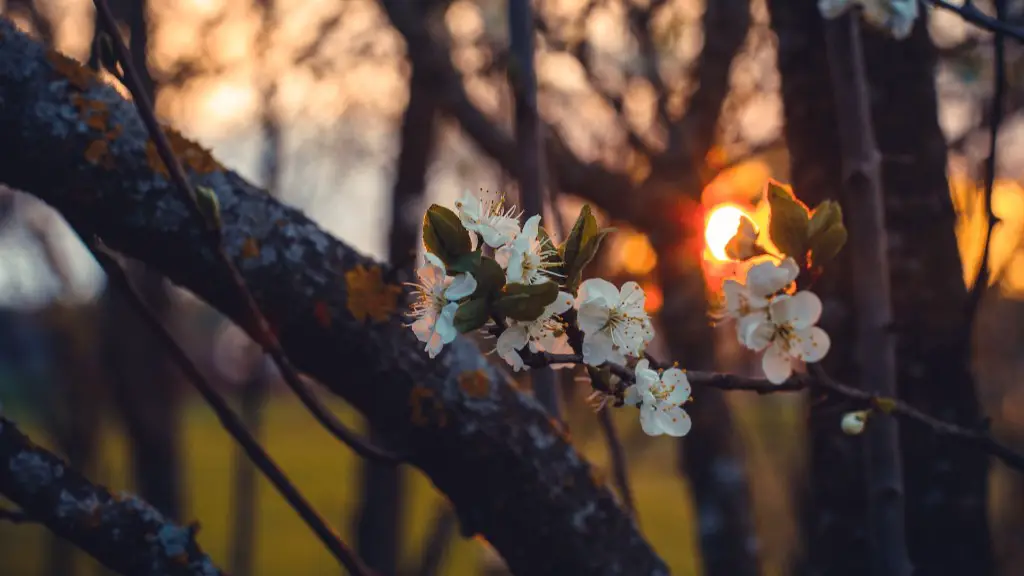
(327, 474)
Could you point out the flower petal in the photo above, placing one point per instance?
(649, 421)
(757, 333)
(446, 323)
(597, 349)
(434, 345)
(531, 228)
(678, 384)
(776, 364)
(463, 285)
(802, 310)
(561, 305)
(423, 327)
(592, 317)
(632, 396)
(674, 421)
(598, 291)
(767, 278)
(631, 298)
(436, 262)
(645, 377)
(812, 344)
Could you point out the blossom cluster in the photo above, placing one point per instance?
(485, 270)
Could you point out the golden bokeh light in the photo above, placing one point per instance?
(722, 223)
(634, 253)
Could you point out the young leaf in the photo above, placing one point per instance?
(444, 235)
(825, 216)
(490, 278)
(468, 262)
(789, 222)
(471, 315)
(827, 244)
(574, 273)
(582, 231)
(209, 206)
(526, 302)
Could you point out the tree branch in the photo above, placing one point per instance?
(121, 531)
(492, 450)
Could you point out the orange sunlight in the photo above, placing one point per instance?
(722, 223)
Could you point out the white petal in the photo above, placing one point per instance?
(436, 262)
(593, 317)
(776, 364)
(468, 206)
(643, 364)
(767, 278)
(561, 305)
(598, 291)
(632, 297)
(649, 421)
(812, 344)
(645, 377)
(514, 271)
(735, 296)
(463, 285)
(446, 323)
(434, 345)
(531, 227)
(632, 396)
(757, 335)
(597, 348)
(747, 324)
(513, 338)
(802, 310)
(504, 255)
(431, 275)
(679, 384)
(423, 327)
(674, 421)
(501, 230)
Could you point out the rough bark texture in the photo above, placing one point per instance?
(946, 483)
(510, 474)
(835, 505)
(121, 531)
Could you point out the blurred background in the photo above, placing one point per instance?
(316, 101)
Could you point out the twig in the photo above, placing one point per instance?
(817, 378)
(259, 326)
(981, 280)
(970, 13)
(231, 422)
(619, 467)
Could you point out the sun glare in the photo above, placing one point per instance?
(723, 222)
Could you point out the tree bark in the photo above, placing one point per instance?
(510, 474)
(946, 483)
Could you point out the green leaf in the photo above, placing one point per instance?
(209, 206)
(444, 235)
(468, 262)
(471, 315)
(526, 302)
(582, 231)
(825, 216)
(574, 273)
(490, 278)
(827, 244)
(789, 222)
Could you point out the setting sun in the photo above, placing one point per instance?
(723, 221)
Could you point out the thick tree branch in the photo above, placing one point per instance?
(121, 531)
(492, 450)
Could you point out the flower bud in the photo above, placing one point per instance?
(743, 246)
(853, 422)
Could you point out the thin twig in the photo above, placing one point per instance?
(970, 13)
(618, 455)
(817, 378)
(259, 327)
(231, 422)
(981, 280)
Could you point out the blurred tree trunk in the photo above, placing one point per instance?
(946, 482)
(378, 525)
(834, 503)
(142, 378)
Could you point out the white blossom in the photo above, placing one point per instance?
(524, 258)
(743, 245)
(661, 398)
(788, 333)
(748, 303)
(485, 214)
(545, 334)
(613, 322)
(853, 422)
(436, 303)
